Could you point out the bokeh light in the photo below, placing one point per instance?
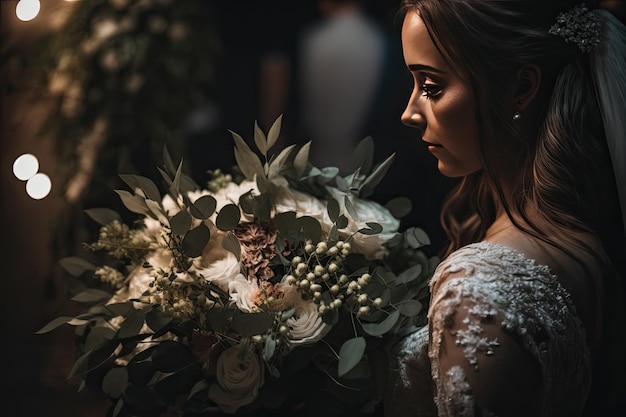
(27, 9)
(25, 166)
(38, 186)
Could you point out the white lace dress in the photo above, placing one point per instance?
(492, 310)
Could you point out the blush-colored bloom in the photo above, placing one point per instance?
(257, 249)
(245, 293)
(239, 378)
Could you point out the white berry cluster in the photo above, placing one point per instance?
(320, 275)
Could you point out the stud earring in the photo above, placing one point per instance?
(517, 115)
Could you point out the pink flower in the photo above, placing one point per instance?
(257, 249)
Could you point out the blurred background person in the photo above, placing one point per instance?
(341, 66)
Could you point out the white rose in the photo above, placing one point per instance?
(288, 199)
(238, 379)
(368, 211)
(221, 271)
(231, 193)
(306, 325)
(244, 293)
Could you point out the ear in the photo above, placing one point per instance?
(526, 86)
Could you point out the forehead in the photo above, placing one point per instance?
(417, 46)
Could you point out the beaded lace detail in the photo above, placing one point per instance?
(494, 284)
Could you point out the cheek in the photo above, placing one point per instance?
(457, 116)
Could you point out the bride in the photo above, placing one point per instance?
(524, 101)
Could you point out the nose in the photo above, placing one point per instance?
(412, 116)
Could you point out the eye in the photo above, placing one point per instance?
(431, 90)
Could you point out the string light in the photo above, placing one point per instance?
(27, 9)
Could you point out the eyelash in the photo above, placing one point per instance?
(430, 90)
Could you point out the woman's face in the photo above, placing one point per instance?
(441, 106)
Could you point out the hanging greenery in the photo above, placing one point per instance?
(125, 75)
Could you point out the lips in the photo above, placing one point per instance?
(428, 143)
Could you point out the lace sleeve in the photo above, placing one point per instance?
(505, 339)
(478, 368)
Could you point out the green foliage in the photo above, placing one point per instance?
(158, 348)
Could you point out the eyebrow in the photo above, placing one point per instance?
(420, 67)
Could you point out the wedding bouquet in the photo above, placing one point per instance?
(248, 293)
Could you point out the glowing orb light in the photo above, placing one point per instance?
(38, 186)
(27, 9)
(25, 166)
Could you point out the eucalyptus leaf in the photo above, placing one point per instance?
(132, 325)
(274, 133)
(259, 139)
(248, 162)
(332, 207)
(278, 165)
(156, 320)
(350, 207)
(286, 222)
(264, 184)
(231, 244)
(115, 381)
(175, 189)
(399, 206)
(379, 329)
(156, 209)
(200, 386)
(203, 207)
(217, 318)
(98, 336)
(196, 240)
(59, 321)
(364, 154)
(119, 404)
(180, 223)
(246, 202)
(367, 188)
(269, 349)
(342, 222)
(76, 266)
(409, 308)
(146, 185)
(311, 228)
(133, 202)
(350, 354)
(301, 160)
(228, 217)
(167, 179)
(168, 163)
(417, 237)
(287, 314)
(93, 359)
(410, 274)
(372, 229)
(251, 324)
(103, 216)
(91, 295)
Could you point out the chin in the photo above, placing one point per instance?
(455, 171)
